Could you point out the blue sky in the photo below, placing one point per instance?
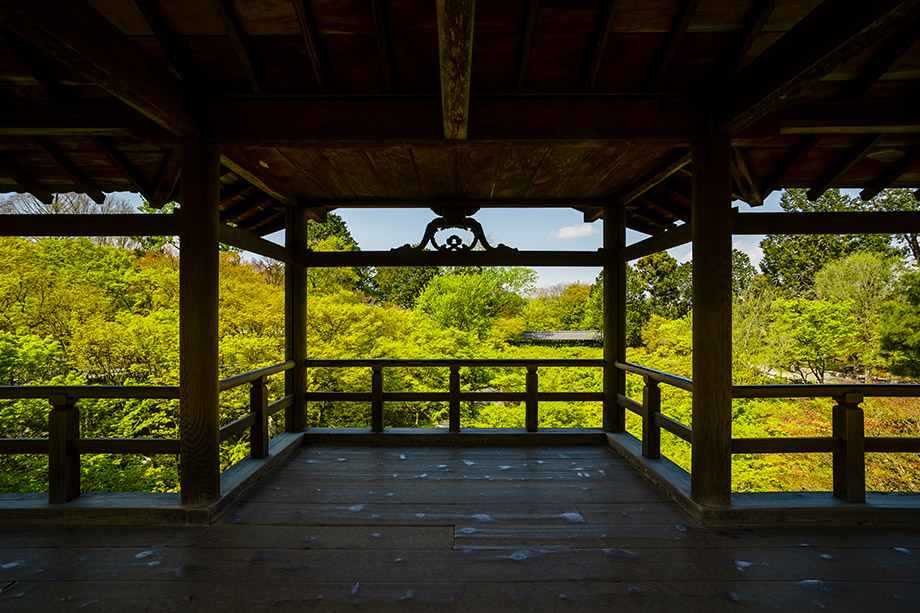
(526, 229)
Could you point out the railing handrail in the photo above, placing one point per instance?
(138, 392)
(825, 390)
(254, 375)
(657, 375)
(445, 362)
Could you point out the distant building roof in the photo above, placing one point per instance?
(562, 336)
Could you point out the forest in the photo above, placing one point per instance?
(105, 312)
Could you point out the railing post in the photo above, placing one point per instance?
(377, 399)
(850, 462)
(453, 410)
(532, 391)
(63, 462)
(614, 317)
(295, 317)
(258, 404)
(651, 432)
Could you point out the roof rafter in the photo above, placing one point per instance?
(24, 178)
(123, 164)
(672, 42)
(850, 159)
(256, 200)
(240, 45)
(890, 174)
(798, 151)
(671, 163)
(600, 46)
(36, 65)
(745, 177)
(455, 53)
(50, 148)
(307, 30)
(167, 177)
(174, 51)
(530, 24)
(383, 44)
(758, 18)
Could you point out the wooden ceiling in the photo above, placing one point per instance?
(332, 103)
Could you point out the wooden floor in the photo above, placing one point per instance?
(511, 528)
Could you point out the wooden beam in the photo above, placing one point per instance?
(167, 177)
(25, 178)
(275, 225)
(670, 163)
(318, 214)
(295, 317)
(90, 225)
(232, 190)
(241, 208)
(710, 483)
(199, 427)
(267, 214)
(69, 118)
(473, 203)
(798, 151)
(639, 225)
(665, 195)
(85, 41)
(36, 65)
(745, 177)
(854, 117)
(84, 183)
(171, 45)
(833, 33)
(339, 259)
(455, 52)
(600, 46)
(673, 237)
(757, 19)
(123, 164)
(614, 298)
(881, 222)
(645, 209)
(890, 52)
(672, 42)
(265, 184)
(850, 159)
(240, 46)
(891, 174)
(307, 30)
(383, 45)
(247, 241)
(530, 23)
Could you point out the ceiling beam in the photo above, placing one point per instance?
(240, 45)
(745, 177)
(123, 165)
(24, 178)
(671, 163)
(798, 152)
(233, 190)
(891, 174)
(70, 118)
(50, 148)
(257, 200)
(530, 24)
(833, 33)
(261, 217)
(383, 44)
(167, 177)
(308, 31)
(171, 45)
(852, 117)
(84, 40)
(890, 52)
(600, 46)
(665, 203)
(29, 57)
(266, 184)
(757, 19)
(672, 42)
(455, 53)
(850, 159)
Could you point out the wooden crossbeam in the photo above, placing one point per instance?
(891, 174)
(123, 165)
(888, 222)
(442, 203)
(673, 237)
(338, 259)
(833, 33)
(600, 46)
(757, 19)
(745, 177)
(171, 45)
(455, 53)
(798, 151)
(383, 45)
(50, 148)
(851, 117)
(530, 24)
(69, 118)
(247, 241)
(85, 41)
(167, 177)
(240, 45)
(850, 159)
(24, 178)
(672, 42)
(308, 32)
(670, 164)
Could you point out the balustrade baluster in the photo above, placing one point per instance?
(63, 461)
(651, 432)
(454, 407)
(532, 391)
(258, 404)
(850, 462)
(377, 399)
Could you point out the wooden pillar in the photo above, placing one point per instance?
(850, 463)
(295, 317)
(199, 432)
(63, 461)
(712, 322)
(614, 317)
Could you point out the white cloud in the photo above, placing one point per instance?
(752, 249)
(579, 231)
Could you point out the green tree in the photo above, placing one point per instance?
(560, 307)
(668, 284)
(900, 328)
(402, 285)
(900, 200)
(743, 273)
(810, 336)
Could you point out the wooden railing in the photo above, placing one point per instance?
(653, 421)
(848, 441)
(64, 445)
(377, 396)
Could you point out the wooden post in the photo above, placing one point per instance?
(453, 410)
(531, 410)
(258, 404)
(651, 432)
(712, 322)
(614, 317)
(295, 317)
(63, 462)
(199, 429)
(850, 463)
(377, 399)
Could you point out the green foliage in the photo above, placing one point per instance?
(811, 335)
(561, 307)
(900, 328)
(402, 285)
(667, 283)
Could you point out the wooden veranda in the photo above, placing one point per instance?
(654, 116)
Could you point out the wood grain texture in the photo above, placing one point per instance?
(295, 317)
(455, 52)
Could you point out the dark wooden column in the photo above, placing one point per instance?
(614, 317)
(198, 257)
(295, 316)
(712, 322)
